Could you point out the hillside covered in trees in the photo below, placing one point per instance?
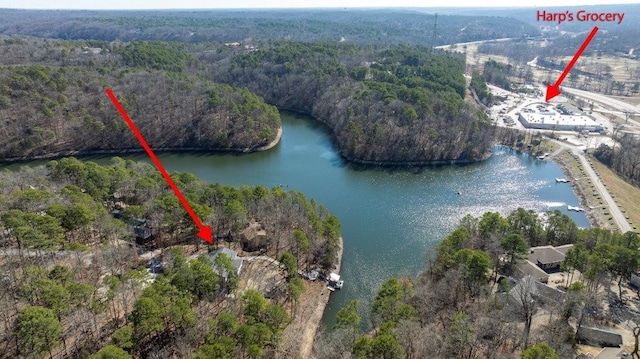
(400, 105)
(103, 262)
(404, 104)
(52, 100)
(472, 302)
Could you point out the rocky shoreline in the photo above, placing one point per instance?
(578, 190)
(300, 334)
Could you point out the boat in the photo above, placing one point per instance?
(334, 282)
(562, 180)
(577, 209)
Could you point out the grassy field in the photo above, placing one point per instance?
(625, 194)
(474, 59)
(622, 69)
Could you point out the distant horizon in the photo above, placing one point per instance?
(288, 4)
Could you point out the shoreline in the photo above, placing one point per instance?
(580, 193)
(314, 301)
(62, 154)
(358, 161)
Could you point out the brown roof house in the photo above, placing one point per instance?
(253, 237)
(548, 258)
(543, 260)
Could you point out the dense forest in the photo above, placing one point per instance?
(386, 103)
(80, 277)
(380, 27)
(404, 104)
(57, 103)
(400, 105)
(471, 302)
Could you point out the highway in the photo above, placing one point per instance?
(605, 100)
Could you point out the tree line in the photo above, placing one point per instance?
(357, 26)
(625, 159)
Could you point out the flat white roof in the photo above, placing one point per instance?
(552, 117)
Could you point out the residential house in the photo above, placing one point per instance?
(254, 237)
(527, 267)
(548, 258)
(237, 261)
(599, 337)
(529, 287)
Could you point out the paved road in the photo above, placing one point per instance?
(474, 42)
(617, 215)
(606, 100)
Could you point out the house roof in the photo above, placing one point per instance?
(537, 289)
(253, 230)
(529, 268)
(230, 253)
(142, 232)
(564, 248)
(545, 255)
(599, 337)
(237, 261)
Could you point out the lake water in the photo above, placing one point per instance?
(390, 217)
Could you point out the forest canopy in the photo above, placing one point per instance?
(104, 260)
(396, 105)
(57, 104)
(403, 104)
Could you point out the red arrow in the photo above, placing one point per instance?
(553, 91)
(205, 232)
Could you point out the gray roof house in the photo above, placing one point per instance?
(599, 337)
(237, 261)
(526, 267)
(529, 287)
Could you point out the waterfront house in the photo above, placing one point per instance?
(529, 268)
(548, 258)
(253, 237)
